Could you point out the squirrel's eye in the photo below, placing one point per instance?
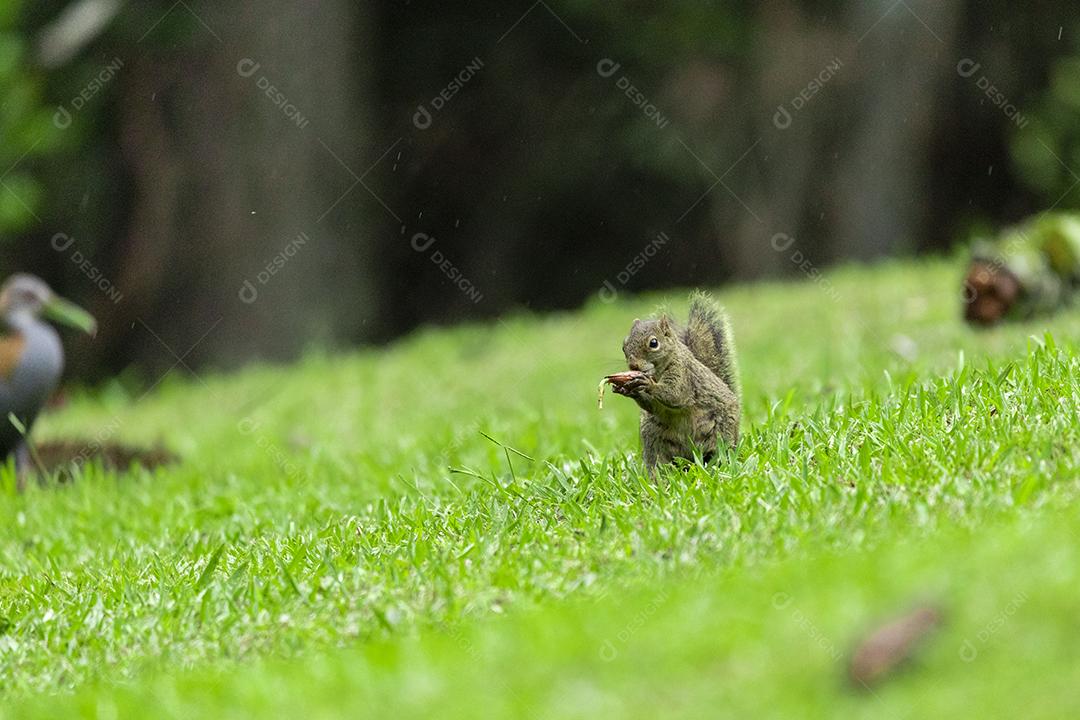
(653, 343)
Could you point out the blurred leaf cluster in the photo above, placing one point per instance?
(1047, 152)
(564, 138)
(713, 43)
(26, 126)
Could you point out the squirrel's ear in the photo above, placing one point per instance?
(665, 325)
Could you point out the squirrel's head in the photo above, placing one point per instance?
(651, 345)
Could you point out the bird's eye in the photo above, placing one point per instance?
(653, 343)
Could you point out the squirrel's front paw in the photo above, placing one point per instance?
(635, 386)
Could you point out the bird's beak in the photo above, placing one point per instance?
(68, 313)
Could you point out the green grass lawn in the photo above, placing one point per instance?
(342, 539)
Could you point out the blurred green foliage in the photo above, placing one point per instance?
(1047, 151)
(710, 40)
(589, 129)
(26, 126)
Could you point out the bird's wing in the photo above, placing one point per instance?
(12, 346)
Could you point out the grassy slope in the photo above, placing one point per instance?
(876, 468)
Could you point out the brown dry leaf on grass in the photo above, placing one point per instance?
(888, 646)
(990, 291)
(60, 455)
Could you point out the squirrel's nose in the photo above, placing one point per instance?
(635, 365)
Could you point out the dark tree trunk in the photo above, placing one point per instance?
(232, 149)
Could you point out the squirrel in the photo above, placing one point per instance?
(688, 389)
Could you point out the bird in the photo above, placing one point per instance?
(31, 357)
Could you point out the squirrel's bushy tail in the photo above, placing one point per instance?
(709, 336)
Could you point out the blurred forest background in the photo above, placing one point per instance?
(223, 181)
